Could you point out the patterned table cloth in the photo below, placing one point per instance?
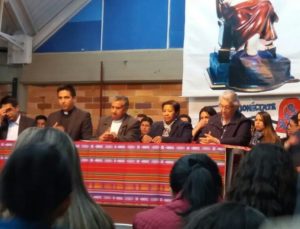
(131, 174)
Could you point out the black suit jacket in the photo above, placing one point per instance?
(129, 130)
(24, 123)
(80, 124)
(180, 132)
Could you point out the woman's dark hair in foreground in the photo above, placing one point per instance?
(266, 180)
(196, 177)
(83, 212)
(224, 216)
(35, 182)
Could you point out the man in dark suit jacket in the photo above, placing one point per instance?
(70, 119)
(12, 123)
(119, 127)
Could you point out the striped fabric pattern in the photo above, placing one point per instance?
(131, 174)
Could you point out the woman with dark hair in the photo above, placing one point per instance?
(83, 212)
(195, 182)
(263, 130)
(266, 180)
(226, 215)
(145, 125)
(204, 115)
(171, 129)
(36, 186)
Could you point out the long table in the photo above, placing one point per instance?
(131, 174)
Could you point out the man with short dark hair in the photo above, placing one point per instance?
(12, 122)
(119, 127)
(70, 119)
(40, 121)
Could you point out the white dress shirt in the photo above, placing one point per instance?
(13, 129)
(115, 126)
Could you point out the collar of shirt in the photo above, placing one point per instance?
(17, 122)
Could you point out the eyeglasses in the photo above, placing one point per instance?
(228, 107)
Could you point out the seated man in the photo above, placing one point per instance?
(119, 127)
(12, 122)
(70, 119)
(35, 188)
(229, 126)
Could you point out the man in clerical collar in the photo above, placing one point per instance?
(70, 119)
(119, 126)
(12, 123)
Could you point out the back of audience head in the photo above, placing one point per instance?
(83, 211)
(36, 183)
(146, 124)
(266, 180)
(41, 121)
(185, 118)
(226, 215)
(196, 178)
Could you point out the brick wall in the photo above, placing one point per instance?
(143, 98)
(5, 89)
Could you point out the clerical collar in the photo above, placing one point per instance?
(66, 113)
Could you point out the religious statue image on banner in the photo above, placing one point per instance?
(248, 59)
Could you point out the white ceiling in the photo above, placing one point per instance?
(38, 19)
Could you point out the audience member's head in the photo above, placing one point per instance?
(36, 183)
(66, 95)
(119, 107)
(266, 180)
(40, 121)
(196, 178)
(171, 110)
(10, 107)
(145, 126)
(185, 118)
(224, 216)
(206, 112)
(83, 211)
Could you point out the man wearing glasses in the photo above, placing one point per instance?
(229, 126)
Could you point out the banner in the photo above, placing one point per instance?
(202, 38)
